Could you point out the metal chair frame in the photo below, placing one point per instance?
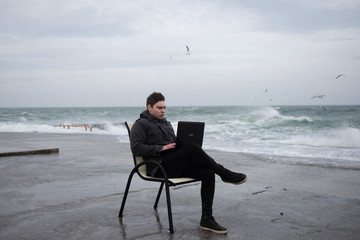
(140, 169)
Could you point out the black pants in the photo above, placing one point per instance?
(191, 161)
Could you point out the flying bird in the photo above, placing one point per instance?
(340, 75)
(318, 96)
(265, 91)
(187, 50)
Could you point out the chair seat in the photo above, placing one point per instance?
(172, 181)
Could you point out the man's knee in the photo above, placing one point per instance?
(194, 148)
(207, 174)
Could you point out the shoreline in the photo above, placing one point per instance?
(305, 161)
(76, 194)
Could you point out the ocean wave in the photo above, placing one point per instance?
(286, 131)
(270, 116)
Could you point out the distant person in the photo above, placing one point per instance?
(153, 138)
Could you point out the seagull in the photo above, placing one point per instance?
(187, 50)
(265, 91)
(340, 75)
(318, 96)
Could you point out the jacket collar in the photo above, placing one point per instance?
(147, 115)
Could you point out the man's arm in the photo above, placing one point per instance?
(138, 145)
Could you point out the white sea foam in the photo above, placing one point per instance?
(343, 137)
(45, 128)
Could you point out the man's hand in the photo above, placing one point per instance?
(169, 146)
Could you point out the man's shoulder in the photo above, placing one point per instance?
(141, 122)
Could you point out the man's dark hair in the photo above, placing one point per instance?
(154, 98)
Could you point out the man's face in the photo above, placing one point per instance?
(158, 110)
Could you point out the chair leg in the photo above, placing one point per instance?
(168, 201)
(171, 227)
(158, 195)
(126, 193)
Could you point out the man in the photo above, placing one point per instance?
(153, 138)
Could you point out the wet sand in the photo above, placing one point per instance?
(76, 194)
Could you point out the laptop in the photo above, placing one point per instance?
(189, 132)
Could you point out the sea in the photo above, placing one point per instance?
(327, 136)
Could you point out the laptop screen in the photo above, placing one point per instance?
(190, 132)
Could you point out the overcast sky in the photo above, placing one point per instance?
(61, 53)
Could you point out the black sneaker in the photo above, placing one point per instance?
(209, 223)
(233, 177)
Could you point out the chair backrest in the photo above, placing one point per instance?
(137, 159)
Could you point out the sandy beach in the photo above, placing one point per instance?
(76, 194)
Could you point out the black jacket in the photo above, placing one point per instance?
(147, 137)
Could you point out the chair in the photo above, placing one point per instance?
(140, 169)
